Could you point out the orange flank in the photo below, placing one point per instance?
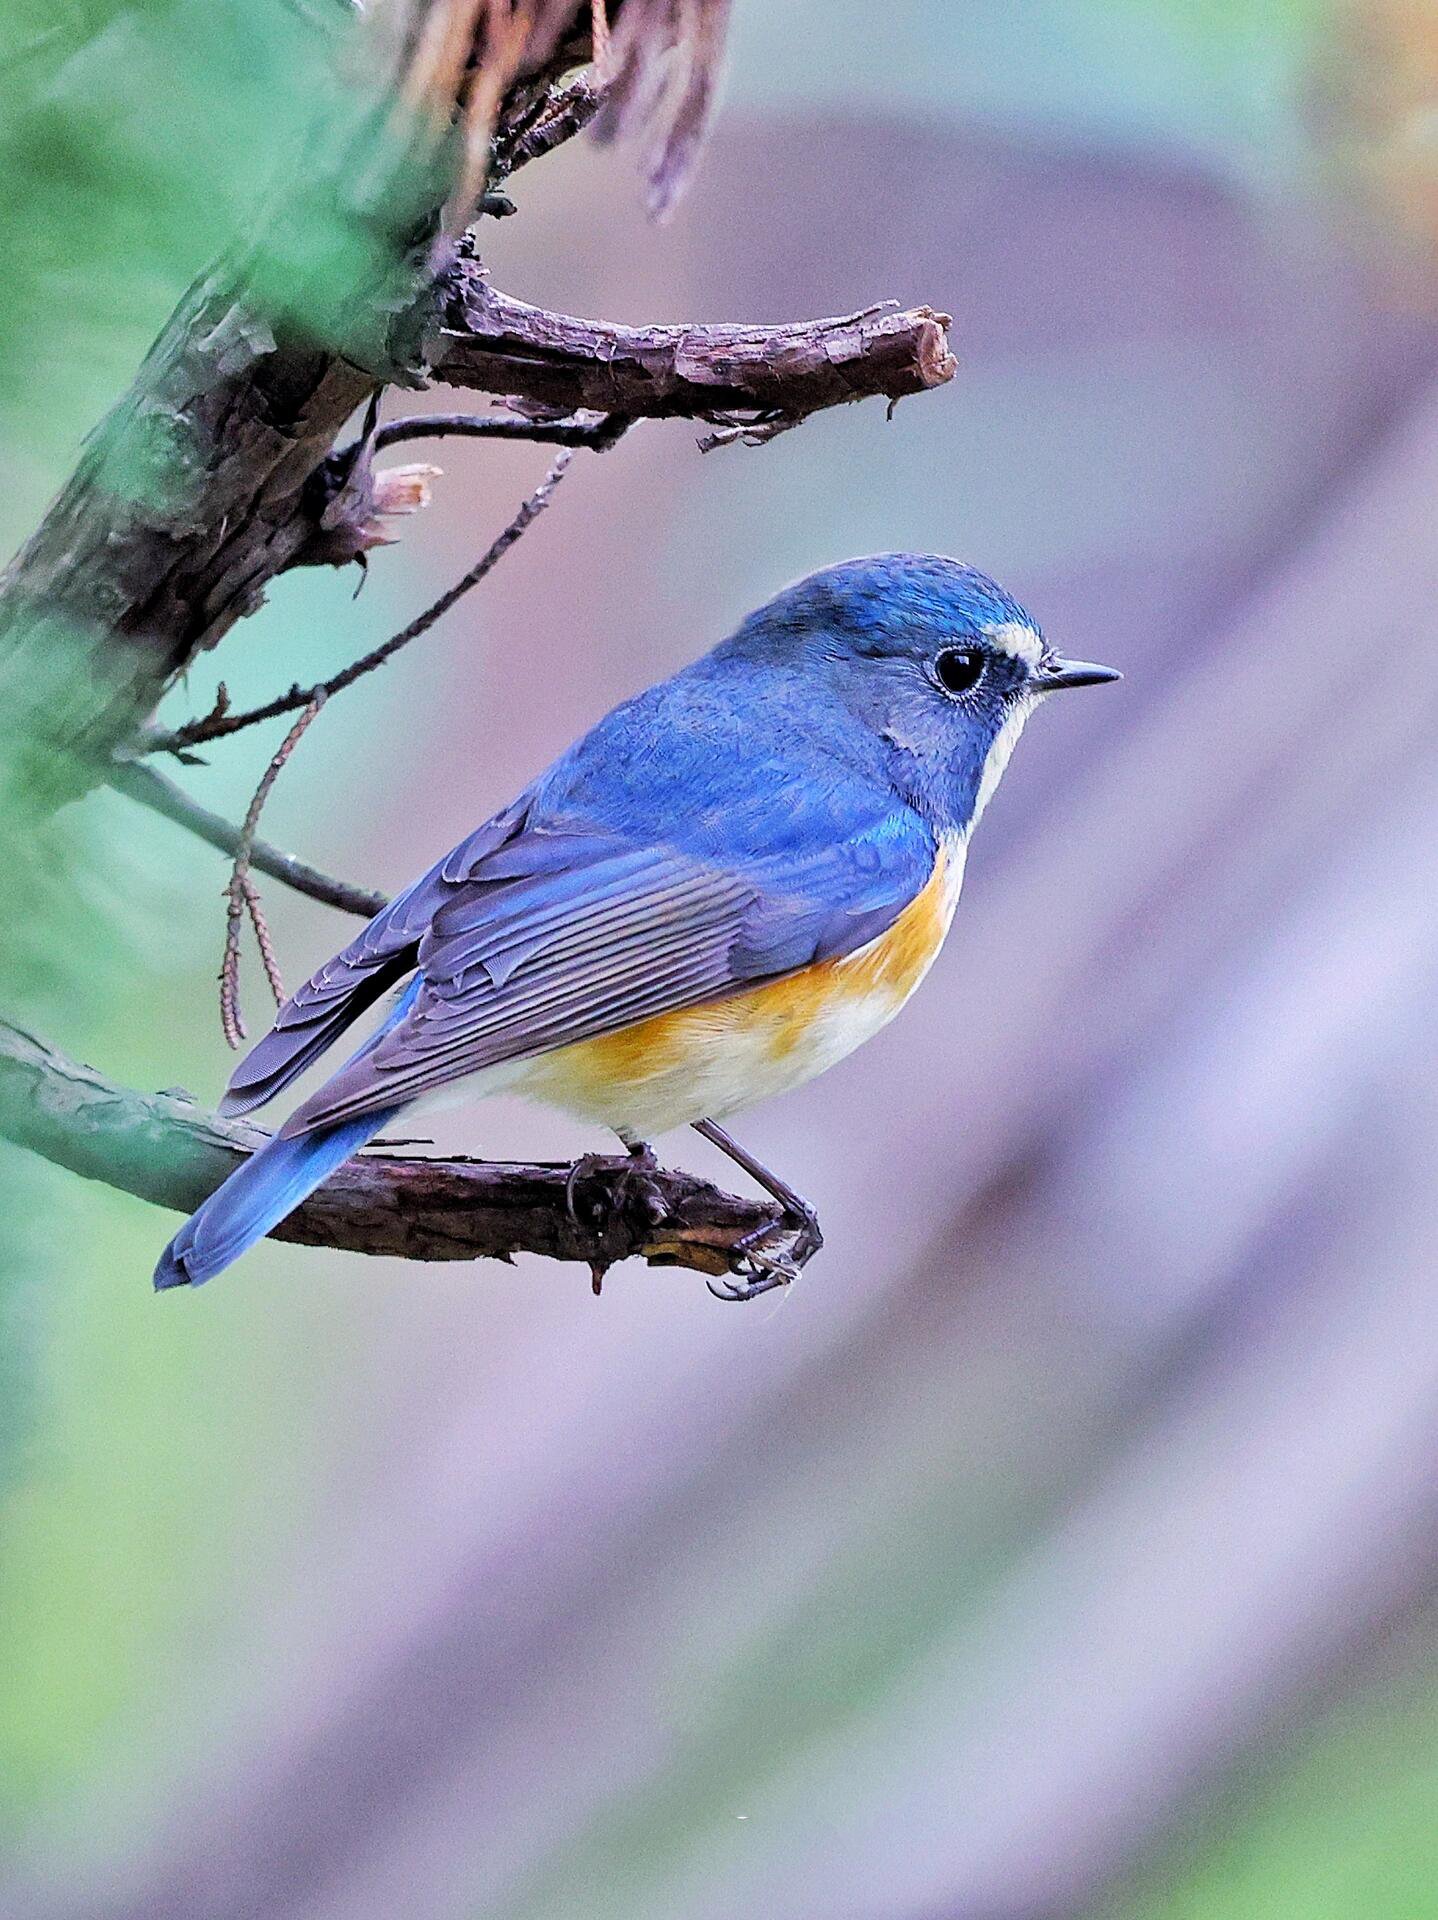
(889, 968)
(712, 1059)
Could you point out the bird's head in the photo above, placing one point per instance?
(932, 658)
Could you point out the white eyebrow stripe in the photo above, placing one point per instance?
(1015, 637)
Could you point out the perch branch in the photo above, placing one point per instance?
(164, 1149)
(155, 790)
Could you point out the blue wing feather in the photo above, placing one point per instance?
(669, 858)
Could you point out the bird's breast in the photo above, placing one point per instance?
(711, 1060)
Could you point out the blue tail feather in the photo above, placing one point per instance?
(258, 1195)
(268, 1186)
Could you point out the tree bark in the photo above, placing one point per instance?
(693, 372)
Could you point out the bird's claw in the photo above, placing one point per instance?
(765, 1272)
(628, 1199)
(759, 1269)
(622, 1175)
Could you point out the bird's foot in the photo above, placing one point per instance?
(759, 1267)
(615, 1197)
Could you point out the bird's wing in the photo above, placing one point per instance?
(312, 1019)
(553, 936)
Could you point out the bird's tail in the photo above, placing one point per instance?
(271, 1184)
(258, 1195)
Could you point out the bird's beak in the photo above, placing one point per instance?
(1057, 673)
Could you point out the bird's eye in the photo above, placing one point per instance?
(957, 669)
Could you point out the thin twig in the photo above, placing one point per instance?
(268, 959)
(586, 428)
(232, 1023)
(151, 788)
(297, 697)
(241, 896)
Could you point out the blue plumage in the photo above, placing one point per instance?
(257, 1196)
(269, 1185)
(776, 806)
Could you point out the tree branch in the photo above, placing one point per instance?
(129, 593)
(164, 1149)
(153, 789)
(582, 429)
(215, 473)
(198, 489)
(242, 899)
(712, 373)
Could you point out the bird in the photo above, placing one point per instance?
(731, 882)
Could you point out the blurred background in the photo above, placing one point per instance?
(1066, 1544)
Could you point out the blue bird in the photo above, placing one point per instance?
(731, 882)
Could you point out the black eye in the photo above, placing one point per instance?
(959, 668)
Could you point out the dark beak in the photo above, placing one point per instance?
(1056, 673)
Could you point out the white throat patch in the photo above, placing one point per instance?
(1004, 742)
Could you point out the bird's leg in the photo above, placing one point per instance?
(775, 1270)
(620, 1170)
(625, 1190)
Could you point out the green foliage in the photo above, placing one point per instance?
(137, 142)
(133, 142)
(1339, 1823)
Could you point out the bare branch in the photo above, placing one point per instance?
(582, 429)
(197, 490)
(712, 373)
(215, 727)
(164, 1149)
(155, 790)
(131, 597)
